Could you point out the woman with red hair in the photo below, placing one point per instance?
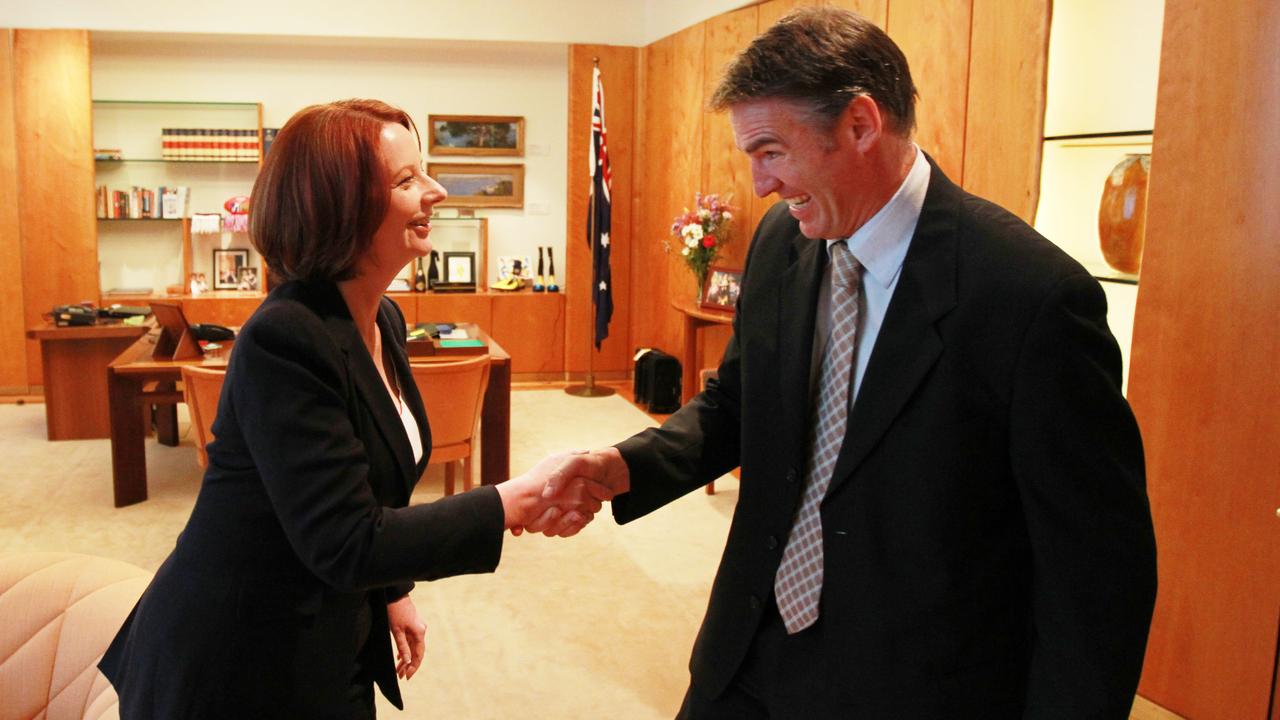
(292, 576)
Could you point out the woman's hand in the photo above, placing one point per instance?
(557, 497)
(410, 634)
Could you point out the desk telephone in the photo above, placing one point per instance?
(211, 332)
(74, 315)
(87, 314)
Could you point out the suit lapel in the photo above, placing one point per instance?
(797, 312)
(908, 344)
(371, 390)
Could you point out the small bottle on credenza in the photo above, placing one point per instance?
(419, 277)
(433, 273)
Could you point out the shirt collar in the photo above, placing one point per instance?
(880, 245)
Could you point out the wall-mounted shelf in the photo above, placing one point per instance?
(1074, 169)
(139, 219)
(1118, 278)
(131, 133)
(121, 161)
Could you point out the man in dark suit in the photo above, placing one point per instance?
(943, 510)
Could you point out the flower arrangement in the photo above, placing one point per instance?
(701, 232)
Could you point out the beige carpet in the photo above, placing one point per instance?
(595, 626)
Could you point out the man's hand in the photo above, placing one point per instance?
(602, 474)
(554, 497)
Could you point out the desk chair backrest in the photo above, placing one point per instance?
(453, 394)
(201, 388)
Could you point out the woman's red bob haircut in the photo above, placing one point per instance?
(323, 190)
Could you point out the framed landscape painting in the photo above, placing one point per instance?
(500, 186)
(475, 135)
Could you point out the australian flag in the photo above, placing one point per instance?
(599, 214)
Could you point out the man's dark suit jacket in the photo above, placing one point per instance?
(300, 535)
(987, 541)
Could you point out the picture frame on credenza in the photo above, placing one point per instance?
(722, 289)
(227, 263)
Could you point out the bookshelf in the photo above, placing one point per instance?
(142, 146)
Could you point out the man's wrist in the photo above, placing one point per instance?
(617, 475)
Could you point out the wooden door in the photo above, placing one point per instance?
(54, 146)
(1203, 378)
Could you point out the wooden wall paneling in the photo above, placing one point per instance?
(877, 11)
(725, 169)
(456, 308)
(672, 137)
(13, 322)
(772, 11)
(531, 327)
(1004, 124)
(934, 35)
(618, 68)
(1202, 375)
(54, 139)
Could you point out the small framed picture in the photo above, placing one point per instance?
(248, 278)
(480, 185)
(722, 290)
(460, 268)
(226, 267)
(475, 135)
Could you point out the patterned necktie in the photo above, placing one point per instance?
(798, 583)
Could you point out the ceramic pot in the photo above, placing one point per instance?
(1122, 215)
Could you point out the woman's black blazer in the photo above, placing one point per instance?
(274, 599)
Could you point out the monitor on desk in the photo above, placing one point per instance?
(176, 341)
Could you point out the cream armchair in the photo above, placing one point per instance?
(58, 613)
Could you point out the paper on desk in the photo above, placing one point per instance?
(454, 334)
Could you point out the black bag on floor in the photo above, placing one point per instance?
(657, 380)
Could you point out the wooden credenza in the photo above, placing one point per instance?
(529, 325)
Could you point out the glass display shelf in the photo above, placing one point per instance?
(1116, 277)
(181, 103)
(1074, 171)
(118, 161)
(144, 145)
(140, 219)
(1099, 135)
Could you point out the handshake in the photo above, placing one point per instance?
(561, 494)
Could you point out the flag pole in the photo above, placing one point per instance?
(589, 388)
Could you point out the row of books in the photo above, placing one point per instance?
(210, 144)
(162, 203)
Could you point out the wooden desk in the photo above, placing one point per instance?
(129, 386)
(75, 361)
(695, 318)
(495, 415)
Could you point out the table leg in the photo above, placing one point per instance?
(167, 417)
(689, 371)
(495, 426)
(128, 440)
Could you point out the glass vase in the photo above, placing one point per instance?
(1122, 214)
